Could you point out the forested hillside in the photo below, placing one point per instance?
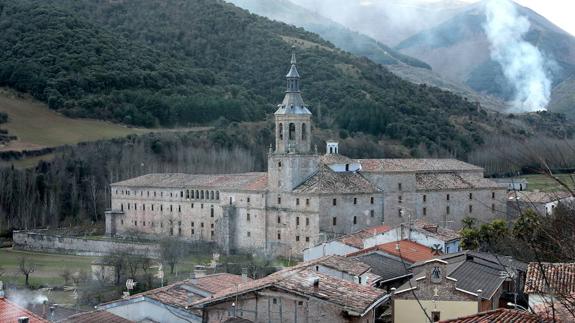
(176, 62)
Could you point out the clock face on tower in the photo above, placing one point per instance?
(436, 275)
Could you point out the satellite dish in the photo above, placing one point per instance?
(130, 284)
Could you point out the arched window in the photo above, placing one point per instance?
(331, 150)
(202, 194)
(292, 131)
(281, 131)
(211, 195)
(217, 195)
(303, 131)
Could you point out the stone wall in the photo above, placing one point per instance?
(38, 241)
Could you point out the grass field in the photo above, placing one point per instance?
(547, 184)
(37, 126)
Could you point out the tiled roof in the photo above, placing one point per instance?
(408, 250)
(385, 266)
(343, 264)
(415, 165)
(553, 278)
(436, 231)
(330, 159)
(537, 197)
(245, 181)
(178, 295)
(451, 181)
(97, 316)
(299, 279)
(10, 312)
(356, 239)
(502, 315)
(326, 181)
(561, 311)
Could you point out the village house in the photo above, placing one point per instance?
(170, 303)
(542, 203)
(513, 184)
(500, 315)
(303, 197)
(297, 294)
(456, 285)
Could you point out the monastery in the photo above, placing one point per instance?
(304, 197)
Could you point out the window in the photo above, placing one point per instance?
(152, 207)
(296, 238)
(470, 208)
(372, 213)
(492, 208)
(279, 200)
(249, 234)
(371, 200)
(247, 217)
(292, 131)
(281, 133)
(448, 197)
(248, 200)
(334, 220)
(399, 186)
(471, 196)
(122, 207)
(435, 316)
(202, 206)
(424, 211)
(212, 225)
(347, 167)
(303, 131)
(128, 206)
(217, 195)
(306, 221)
(275, 301)
(135, 206)
(179, 231)
(279, 164)
(154, 193)
(122, 222)
(181, 193)
(354, 219)
(144, 223)
(399, 199)
(212, 233)
(297, 201)
(279, 219)
(179, 208)
(279, 236)
(202, 224)
(447, 210)
(193, 231)
(306, 202)
(212, 211)
(192, 205)
(192, 224)
(161, 207)
(143, 207)
(202, 194)
(334, 202)
(424, 198)
(306, 239)
(399, 212)
(355, 200)
(492, 195)
(297, 220)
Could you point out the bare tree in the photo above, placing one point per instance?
(26, 267)
(172, 251)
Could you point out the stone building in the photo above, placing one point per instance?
(303, 197)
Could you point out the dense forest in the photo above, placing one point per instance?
(167, 63)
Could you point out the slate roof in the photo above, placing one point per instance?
(554, 278)
(97, 316)
(537, 197)
(416, 165)
(408, 250)
(245, 181)
(343, 264)
(354, 298)
(326, 181)
(451, 181)
(386, 267)
(177, 295)
(499, 315)
(435, 231)
(10, 312)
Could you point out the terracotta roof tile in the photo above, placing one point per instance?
(10, 312)
(245, 181)
(415, 165)
(554, 278)
(499, 315)
(436, 231)
(98, 316)
(356, 239)
(450, 181)
(343, 264)
(408, 250)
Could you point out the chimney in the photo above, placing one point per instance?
(244, 275)
(397, 246)
(193, 278)
(200, 272)
(1, 289)
(23, 319)
(479, 292)
(316, 285)
(52, 310)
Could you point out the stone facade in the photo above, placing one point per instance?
(303, 198)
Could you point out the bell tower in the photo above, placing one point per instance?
(292, 161)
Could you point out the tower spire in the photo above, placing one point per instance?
(293, 75)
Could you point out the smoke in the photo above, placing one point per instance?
(26, 298)
(522, 63)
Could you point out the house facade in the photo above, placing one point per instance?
(303, 197)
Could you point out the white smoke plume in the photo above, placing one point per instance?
(522, 63)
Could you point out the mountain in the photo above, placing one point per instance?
(459, 50)
(342, 37)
